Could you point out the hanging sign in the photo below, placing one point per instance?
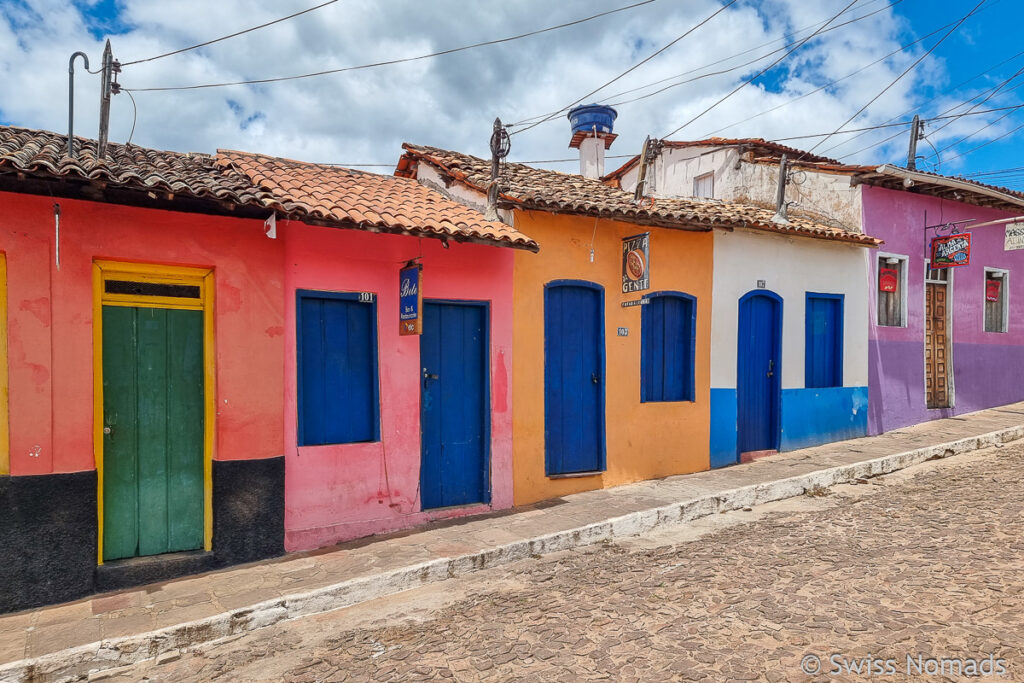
(410, 300)
(1014, 236)
(636, 262)
(992, 288)
(951, 251)
(888, 279)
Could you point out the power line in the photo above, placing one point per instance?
(715, 63)
(740, 66)
(830, 83)
(905, 72)
(402, 60)
(232, 35)
(761, 72)
(632, 68)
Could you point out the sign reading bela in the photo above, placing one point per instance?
(410, 300)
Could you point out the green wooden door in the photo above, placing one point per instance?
(153, 431)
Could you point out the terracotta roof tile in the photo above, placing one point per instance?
(44, 154)
(535, 188)
(381, 202)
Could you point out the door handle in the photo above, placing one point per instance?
(594, 378)
(427, 375)
(771, 367)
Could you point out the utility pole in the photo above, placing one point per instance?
(500, 145)
(106, 79)
(916, 133)
(71, 98)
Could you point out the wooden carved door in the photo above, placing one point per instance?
(936, 341)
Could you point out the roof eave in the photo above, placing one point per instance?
(927, 179)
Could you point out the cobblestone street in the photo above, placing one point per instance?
(927, 561)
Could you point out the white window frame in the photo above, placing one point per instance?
(1005, 289)
(905, 262)
(704, 176)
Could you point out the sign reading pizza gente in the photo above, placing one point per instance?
(636, 262)
(951, 251)
(1014, 236)
(888, 280)
(410, 301)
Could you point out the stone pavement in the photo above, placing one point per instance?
(118, 628)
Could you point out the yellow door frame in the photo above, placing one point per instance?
(104, 271)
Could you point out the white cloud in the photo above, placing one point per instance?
(450, 101)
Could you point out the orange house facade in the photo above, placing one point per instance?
(611, 381)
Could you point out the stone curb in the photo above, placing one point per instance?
(97, 659)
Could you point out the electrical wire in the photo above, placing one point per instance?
(403, 59)
(717, 62)
(830, 83)
(636, 66)
(900, 77)
(753, 61)
(761, 72)
(232, 35)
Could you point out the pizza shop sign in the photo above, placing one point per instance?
(636, 261)
(951, 251)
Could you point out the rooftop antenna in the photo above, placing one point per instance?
(780, 194)
(106, 78)
(916, 133)
(71, 98)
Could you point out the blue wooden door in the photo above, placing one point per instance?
(573, 377)
(823, 366)
(454, 405)
(758, 372)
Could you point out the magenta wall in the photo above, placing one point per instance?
(340, 492)
(988, 367)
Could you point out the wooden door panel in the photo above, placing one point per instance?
(935, 347)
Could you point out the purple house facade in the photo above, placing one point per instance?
(942, 340)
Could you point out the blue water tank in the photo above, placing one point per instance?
(588, 116)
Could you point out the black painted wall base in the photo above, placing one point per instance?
(47, 539)
(48, 534)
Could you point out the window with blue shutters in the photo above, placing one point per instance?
(337, 368)
(667, 339)
(823, 359)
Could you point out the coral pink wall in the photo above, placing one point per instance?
(50, 322)
(339, 492)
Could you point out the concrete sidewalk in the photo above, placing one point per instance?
(115, 629)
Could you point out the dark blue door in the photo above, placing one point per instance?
(455, 405)
(823, 366)
(573, 377)
(758, 372)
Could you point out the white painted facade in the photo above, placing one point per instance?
(790, 267)
(815, 193)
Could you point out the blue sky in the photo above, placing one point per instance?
(364, 116)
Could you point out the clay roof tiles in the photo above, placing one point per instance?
(533, 188)
(307, 192)
(41, 153)
(376, 202)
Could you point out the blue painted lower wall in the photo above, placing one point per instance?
(723, 427)
(810, 417)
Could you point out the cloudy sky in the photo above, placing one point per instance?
(363, 116)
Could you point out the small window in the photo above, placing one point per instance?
(892, 286)
(823, 349)
(704, 185)
(337, 368)
(667, 340)
(997, 282)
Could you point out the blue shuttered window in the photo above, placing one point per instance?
(337, 373)
(668, 334)
(823, 350)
